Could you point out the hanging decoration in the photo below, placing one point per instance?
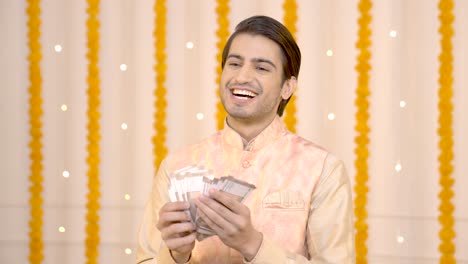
(92, 206)
(35, 129)
(362, 129)
(222, 12)
(446, 181)
(159, 139)
(290, 19)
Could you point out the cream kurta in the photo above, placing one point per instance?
(302, 203)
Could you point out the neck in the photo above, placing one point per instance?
(248, 130)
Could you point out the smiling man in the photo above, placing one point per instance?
(301, 209)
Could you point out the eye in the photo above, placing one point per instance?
(233, 62)
(263, 69)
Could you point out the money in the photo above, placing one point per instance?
(190, 182)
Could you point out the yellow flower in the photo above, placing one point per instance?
(92, 216)
(35, 114)
(290, 19)
(222, 12)
(446, 208)
(362, 140)
(159, 138)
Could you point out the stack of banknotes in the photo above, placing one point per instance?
(190, 182)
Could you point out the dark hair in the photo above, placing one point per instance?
(277, 32)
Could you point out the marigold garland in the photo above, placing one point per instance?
(290, 19)
(92, 205)
(362, 139)
(222, 11)
(159, 139)
(446, 208)
(35, 114)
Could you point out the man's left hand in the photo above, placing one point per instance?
(231, 221)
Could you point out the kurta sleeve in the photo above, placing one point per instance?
(151, 248)
(329, 234)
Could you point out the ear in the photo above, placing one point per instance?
(289, 86)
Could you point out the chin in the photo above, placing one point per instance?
(239, 115)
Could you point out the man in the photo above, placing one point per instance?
(301, 209)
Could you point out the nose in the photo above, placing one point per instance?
(244, 74)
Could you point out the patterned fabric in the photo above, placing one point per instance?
(302, 203)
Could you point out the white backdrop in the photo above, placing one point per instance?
(403, 226)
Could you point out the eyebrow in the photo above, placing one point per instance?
(257, 60)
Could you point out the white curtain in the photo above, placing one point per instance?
(402, 207)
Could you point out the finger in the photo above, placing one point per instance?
(177, 230)
(172, 212)
(170, 217)
(178, 242)
(216, 213)
(174, 206)
(227, 200)
(215, 207)
(216, 228)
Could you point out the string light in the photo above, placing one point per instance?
(64, 107)
(331, 116)
(58, 48)
(123, 67)
(61, 229)
(393, 33)
(65, 174)
(200, 116)
(402, 104)
(189, 45)
(329, 53)
(398, 167)
(124, 126)
(128, 251)
(400, 239)
(127, 196)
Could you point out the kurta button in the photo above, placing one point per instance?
(245, 164)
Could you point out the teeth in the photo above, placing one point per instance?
(243, 92)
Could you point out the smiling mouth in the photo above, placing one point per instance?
(243, 93)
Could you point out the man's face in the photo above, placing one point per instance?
(252, 83)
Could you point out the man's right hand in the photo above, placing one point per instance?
(177, 230)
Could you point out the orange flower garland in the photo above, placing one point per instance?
(290, 19)
(35, 113)
(222, 11)
(362, 139)
(159, 139)
(446, 208)
(92, 205)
